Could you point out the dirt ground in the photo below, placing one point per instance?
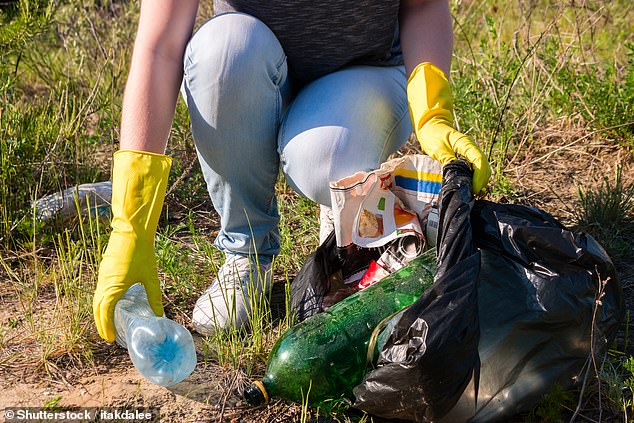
(547, 173)
(202, 397)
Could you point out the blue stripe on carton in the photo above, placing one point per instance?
(418, 185)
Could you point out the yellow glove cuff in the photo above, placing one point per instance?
(139, 182)
(429, 96)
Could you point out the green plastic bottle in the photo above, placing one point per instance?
(327, 353)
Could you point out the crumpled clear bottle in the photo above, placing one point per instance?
(161, 350)
(65, 205)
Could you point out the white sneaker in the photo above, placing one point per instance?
(326, 223)
(228, 301)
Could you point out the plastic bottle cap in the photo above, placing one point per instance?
(256, 394)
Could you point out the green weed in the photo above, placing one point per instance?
(552, 406)
(606, 212)
(55, 302)
(21, 24)
(617, 380)
(57, 82)
(52, 404)
(628, 390)
(299, 229)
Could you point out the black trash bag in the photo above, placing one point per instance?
(432, 352)
(539, 289)
(311, 284)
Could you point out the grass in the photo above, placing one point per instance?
(532, 79)
(514, 72)
(607, 212)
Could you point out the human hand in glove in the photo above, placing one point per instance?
(431, 110)
(139, 182)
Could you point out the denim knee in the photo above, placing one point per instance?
(345, 122)
(310, 169)
(231, 47)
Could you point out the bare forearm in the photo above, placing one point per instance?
(155, 73)
(149, 102)
(426, 33)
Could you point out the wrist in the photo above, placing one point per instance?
(130, 154)
(427, 67)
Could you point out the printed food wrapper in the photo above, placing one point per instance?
(381, 218)
(373, 208)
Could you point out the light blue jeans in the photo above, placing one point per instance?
(247, 119)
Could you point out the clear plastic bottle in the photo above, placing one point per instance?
(67, 204)
(161, 350)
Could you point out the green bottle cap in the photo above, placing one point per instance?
(256, 394)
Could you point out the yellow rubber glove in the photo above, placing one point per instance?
(139, 182)
(431, 110)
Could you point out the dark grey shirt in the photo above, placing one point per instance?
(320, 37)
